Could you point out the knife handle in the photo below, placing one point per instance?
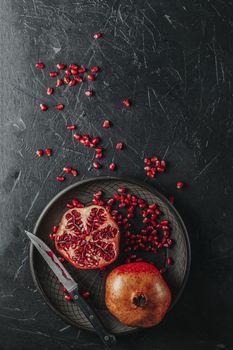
(107, 338)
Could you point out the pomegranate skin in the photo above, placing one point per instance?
(137, 294)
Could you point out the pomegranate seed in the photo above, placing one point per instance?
(39, 152)
(150, 174)
(77, 137)
(74, 71)
(73, 66)
(95, 69)
(147, 161)
(171, 199)
(82, 70)
(179, 185)
(158, 163)
(53, 74)
(152, 206)
(119, 146)
(160, 170)
(80, 205)
(153, 159)
(75, 202)
(99, 150)
(40, 65)
(50, 91)
(55, 228)
(74, 172)
(48, 152)
(68, 297)
(69, 205)
(61, 259)
(72, 82)
(59, 107)
(121, 190)
(106, 124)
(163, 164)
(79, 79)
(60, 66)
(96, 140)
(170, 261)
(66, 80)
(43, 107)
(71, 127)
(89, 93)
(59, 82)
(126, 103)
(68, 73)
(60, 178)
(86, 295)
(153, 170)
(96, 165)
(99, 155)
(91, 77)
(147, 168)
(112, 167)
(97, 35)
(67, 170)
(51, 236)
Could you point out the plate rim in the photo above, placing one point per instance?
(93, 179)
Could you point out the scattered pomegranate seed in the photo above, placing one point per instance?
(65, 290)
(39, 152)
(48, 152)
(40, 65)
(82, 70)
(119, 146)
(59, 82)
(60, 178)
(53, 74)
(99, 150)
(89, 93)
(74, 172)
(147, 161)
(67, 169)
(66, 80)
(126, 103)
(72, 82)
(77, 137)
(73, 66)
(68, 297)
(71, 127)
(170, 261)
(179, 185)
(91, 77)
(95, 69)
(74, 71)
(121, 190)
(97, 35)
(43, 107)
(96, 165)
(59, 107)
(106, 124)
(99, 155)
(171, 199)
(61, 66)
(86, 295)
(96, 140)
(79, 79)
(55, 228)
(52, 236)
(75, 202)
(61, 259)
(50, 91)
(112, 167)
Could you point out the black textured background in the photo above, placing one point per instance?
(174, 59)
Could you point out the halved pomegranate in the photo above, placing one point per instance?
(88, 237)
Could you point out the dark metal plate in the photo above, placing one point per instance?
(94, 280)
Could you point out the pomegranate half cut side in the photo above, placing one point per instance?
(88, 237)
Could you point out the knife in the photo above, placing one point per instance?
(72, 287)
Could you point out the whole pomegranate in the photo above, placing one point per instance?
(88, 237)
(137, 295)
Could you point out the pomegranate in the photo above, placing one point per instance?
(88, 237)
(137, 294)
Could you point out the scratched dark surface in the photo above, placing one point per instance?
(174, 59)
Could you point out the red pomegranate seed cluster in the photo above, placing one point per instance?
(67, 170)
(154, 166)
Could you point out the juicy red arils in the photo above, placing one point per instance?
(82, 70)
(72, 82)
(51, 236)
(163, 164)
(48, 152)
(89, 93)
(170, 261)
(75, 202)
(171, 199)
(39, 152)
(61, 259)
(119, 146)
(40, 65)
(179, 185)
(112, 167)
(147, 161)
(160, 170)
(106, 124)
(79, 79)
(43, 107)
(71, 127)
(77, 137)
(55, 228)
(74, 71)
(74, 172)
(95, 69)
(99, 150)
(53, 74)
(59, 82)
(97, 35)
(60, 66)
(60, 178)
(96, 140)
(73, 66)
(66, 80)
(99, 155)
(50, 91)
(86, 295)
(91, 77)
(67, 169)
(121, 190)
(126, 102)
(96, 165)
(68, 297)
(153, 159)
(68, 73)
(59, 107)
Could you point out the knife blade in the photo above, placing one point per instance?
(72, 287)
